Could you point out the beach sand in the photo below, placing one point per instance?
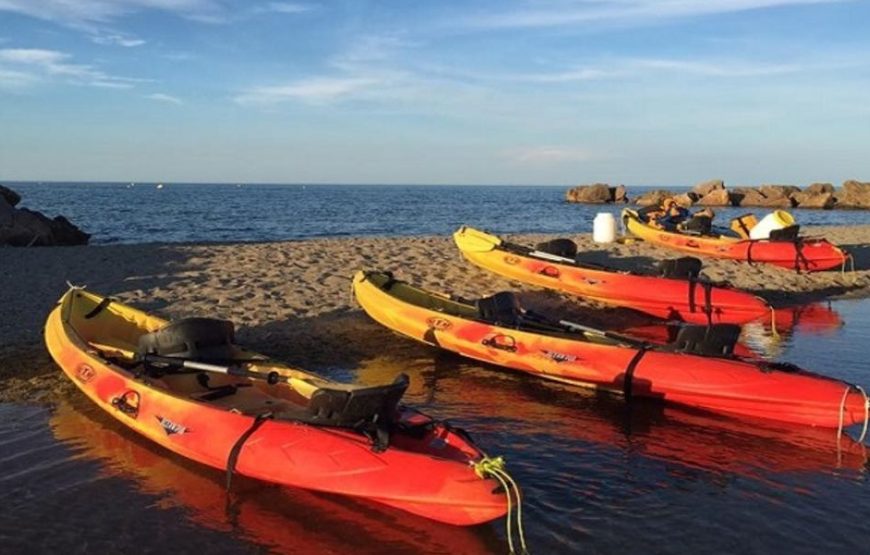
(292, 299)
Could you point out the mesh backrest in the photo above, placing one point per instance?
(191, 338)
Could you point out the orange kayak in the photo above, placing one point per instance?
(700, 372)
(690, 300)
(801, 254)
(290, 428)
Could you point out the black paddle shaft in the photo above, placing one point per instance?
(271, 377)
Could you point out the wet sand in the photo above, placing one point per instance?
(292, 299)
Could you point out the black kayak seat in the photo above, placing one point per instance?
(501, 309)
(356, 407)
(686, 267)
(200, 339)
(713, 340)
(789, 233)
(566, 248)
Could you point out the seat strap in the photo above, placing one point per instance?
(99, 308)
(628, 380)
(237, 447)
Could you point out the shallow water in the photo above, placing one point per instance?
(597, 477)
(121, 213)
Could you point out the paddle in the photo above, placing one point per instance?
(271, 378)
(593, 331)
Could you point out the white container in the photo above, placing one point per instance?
(604, 228)
(778, 219)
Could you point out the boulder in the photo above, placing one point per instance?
(806, 199)
(21, 227)
(854, 194)
(774, 191)
(11, 196)
(598, 193)
(653, 197)
(686, 200)
(716, 197)
(619, 194)
(818, 188)
(706, 187)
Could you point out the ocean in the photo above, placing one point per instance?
(142, 213)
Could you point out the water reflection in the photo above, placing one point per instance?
(280, 519)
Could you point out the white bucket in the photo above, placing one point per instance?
(778, 219)
(604, 228)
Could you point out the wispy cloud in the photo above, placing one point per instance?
(117, 39)
(284, 7)
(87, 13)
(315, 90)
(550, 154)
(166, 98)
(561, 13)
(32, 65)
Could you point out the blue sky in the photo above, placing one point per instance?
(550, 92)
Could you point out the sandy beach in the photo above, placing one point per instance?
(292, 299)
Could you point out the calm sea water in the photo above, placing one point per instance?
(598, 477)
(121, 213)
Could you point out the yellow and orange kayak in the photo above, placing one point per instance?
(690, 300)
(801, 254)
(700, 372)
(287, 429)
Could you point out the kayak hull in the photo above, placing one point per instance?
(670, 299)
(423, 476)
(726, 385)
(805, 255)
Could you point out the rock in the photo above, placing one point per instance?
(686, 200)
(706, 187)
(653, 197)
(853, 194)
(716, 197)
(619, 194)
(23, 228)
(806, 199)
(774, 191)
(598, 193)
(11, 196)
(818, 188)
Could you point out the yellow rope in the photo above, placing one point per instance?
(494, 467)
(773, 331)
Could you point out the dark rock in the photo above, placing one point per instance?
(818, 188)
(65, 232)
(806, 199)
(598, 193)
(619, 194)
(23, 228)
(11, 196)
(706, 187)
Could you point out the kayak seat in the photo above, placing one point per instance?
(686, 267)
(789, 233)
(354, 407)
(566, 248)
(502, 309)
(715, 340)
(200, 339)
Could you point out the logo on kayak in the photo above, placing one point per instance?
(85, 373)
(171, 427)
(512, 260)
(558, 357)
(438, 323)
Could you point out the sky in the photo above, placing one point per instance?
(640, 92)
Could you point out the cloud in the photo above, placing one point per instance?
(117, 39)
(284, 7)
(161, 97)
(315, 90)
(32, 65)
(621, 11)
(549, 154)
(86, 13)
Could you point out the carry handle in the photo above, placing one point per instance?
(501, 342)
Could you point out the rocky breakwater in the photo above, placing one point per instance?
(22, 227)
(852, 195)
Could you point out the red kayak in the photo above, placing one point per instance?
(687, 298)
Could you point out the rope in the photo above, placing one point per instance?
(75, 287)
(866, 413)
(773, 331)
(851, 259)
(864, 429)
(494, 467)
(842, 411)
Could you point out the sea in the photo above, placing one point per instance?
(598, 475)
(211, 212)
